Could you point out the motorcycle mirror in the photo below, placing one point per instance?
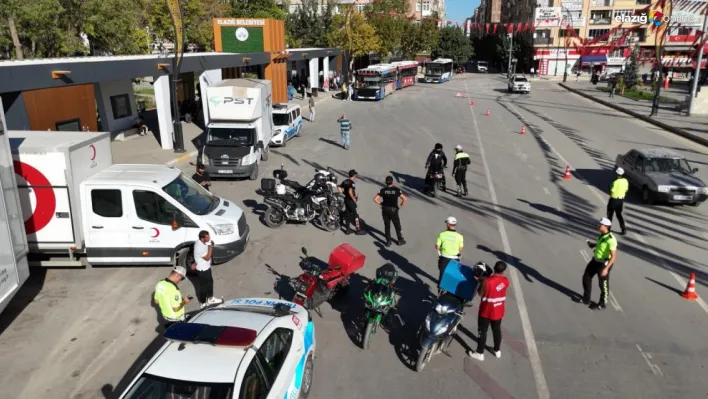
(304, 251)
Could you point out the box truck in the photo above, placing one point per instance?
(14, 269)
(77, 203)
(240, 127)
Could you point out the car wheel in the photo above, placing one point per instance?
(254, 173)
(285, 141)
(647, 196)
(307, 377)
(299, 128)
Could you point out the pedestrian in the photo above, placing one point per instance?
(604, 256)
(459, 170)
(577, 76)
(449, 244)
(388, 198)
(311, 103)
(351, 216)
(613, 86)
(344, 91)
(618, 190)
(169, 298)
(308, 87)
(533, 72)
(291, 91)
(203, 253)
(350, 91)
(345, 128)
(492, 293)
(202, 176)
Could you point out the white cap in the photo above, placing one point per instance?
(180, 270)
(606, 222)
(620, 171)
(458, 147)
(451, 220)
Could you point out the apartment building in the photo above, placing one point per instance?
(418, 9)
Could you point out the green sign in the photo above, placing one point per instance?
(236, 39)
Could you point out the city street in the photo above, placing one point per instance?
(83, 333)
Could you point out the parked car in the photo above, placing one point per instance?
(662, 176)
(287, 122)
(519, 83)
(482, 66)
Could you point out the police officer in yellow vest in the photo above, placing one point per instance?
(459, 170)
(169, 298)
(604, 256)
(449, 244)
(618, 190)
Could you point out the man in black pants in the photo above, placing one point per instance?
(203, 249)
(459, 170)
(388, 199)
(351, 217)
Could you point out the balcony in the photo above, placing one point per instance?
(601, 21)
(543, 40)
(601, 3)
(578, 22)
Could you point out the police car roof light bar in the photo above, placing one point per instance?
(207, 334)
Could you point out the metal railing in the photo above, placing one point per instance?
(601, 21)
(601, 3)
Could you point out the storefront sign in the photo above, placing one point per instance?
(240, 22)
(547, 17)
(616, 60)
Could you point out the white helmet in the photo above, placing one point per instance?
(458, 147)
(620, 171)
(451, 220)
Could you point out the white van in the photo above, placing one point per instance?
(287, 122)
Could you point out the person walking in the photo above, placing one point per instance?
(351, 216)
(311, 103)
(203, 253)
(449, 244)
(202, 176)
(613, 86)
(492, 293)
(388, 198)
(169, 298)
(345, 128)
(533, 72)
(459, 170)
(618, 190)
(604, 256)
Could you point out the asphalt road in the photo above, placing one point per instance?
(80, 332)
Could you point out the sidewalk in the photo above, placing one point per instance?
(694, 128)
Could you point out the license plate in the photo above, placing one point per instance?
(225, 171)
(683, 197)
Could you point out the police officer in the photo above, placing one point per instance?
(449, 244)
(351, 216)
(388, 199)
(459, 170)
(618, 190)
(604, 256)
(169, 298)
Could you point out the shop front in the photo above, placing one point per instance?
(552, 61)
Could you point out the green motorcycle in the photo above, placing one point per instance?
(379, 298)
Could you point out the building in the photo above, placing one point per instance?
(418, 9)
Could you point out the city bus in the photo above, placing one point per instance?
(407, 73)
(438, 71)
(375, 82)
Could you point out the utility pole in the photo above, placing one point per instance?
(697, 73)
(511, 47)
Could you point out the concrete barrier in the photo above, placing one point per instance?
(693, 137)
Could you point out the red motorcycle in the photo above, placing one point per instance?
(316, 286)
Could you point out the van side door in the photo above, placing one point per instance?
(107, 225)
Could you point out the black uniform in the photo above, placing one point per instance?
(389, 211)
(204, 177)
(351, 216)
(437, 161)
(459, 170)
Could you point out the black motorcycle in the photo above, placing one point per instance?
(434, 181)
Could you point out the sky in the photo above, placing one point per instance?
(458, 10)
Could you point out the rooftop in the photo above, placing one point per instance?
(659, 153)
(131, 173)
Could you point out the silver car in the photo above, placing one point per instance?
(519, 83)
(662, 176)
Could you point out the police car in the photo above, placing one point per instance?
(287, 123)
(250, 348)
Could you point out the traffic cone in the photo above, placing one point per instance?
(471, 102)
(566, 175)
(488, 112)
(523, 130)
(690, 292)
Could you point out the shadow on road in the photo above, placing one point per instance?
(668, 287)
(28, 293)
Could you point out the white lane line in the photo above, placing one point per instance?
(705, 234)
(545, 190)
(613, 301)
(534, 358)
(647, 358)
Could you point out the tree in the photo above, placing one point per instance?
(196, 16)
(503, 44)
(419, 38)
(307, 27)
(631, 71)
(257, 9)
(388, 18)
(352, 33)
(116, 27)
(455, 45)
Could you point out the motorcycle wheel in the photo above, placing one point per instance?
(426, 353)
(368, 333)
(273, 218)
(329, 219)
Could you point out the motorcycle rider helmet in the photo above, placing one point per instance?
(320, 179)
(332, 178)
(438, 147)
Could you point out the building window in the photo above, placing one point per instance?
(72, 125)
(542, 34)
(594, 33)
(622, 13)
(360, 7)
(643, 2)
(564, 33)
(121, 106)
(417, 6)
(426, 6)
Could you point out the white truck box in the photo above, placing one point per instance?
(49, 168)
(238, 100)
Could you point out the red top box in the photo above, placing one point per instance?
(348, 257)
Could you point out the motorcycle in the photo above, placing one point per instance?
(296, 189)
(436, 177)
(379, 299)
(316, 286)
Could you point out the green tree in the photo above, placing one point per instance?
(455, 45)
(352, 33)
(503, 44)
(631, 71)
(419, 38)
(116, 27)
(388, 18)
(257, 9)
(196, 16)
(307, 26)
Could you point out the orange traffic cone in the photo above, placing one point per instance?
(690, 292)
(566, 175)
(471, 102)
(488, 112)
(523, 130)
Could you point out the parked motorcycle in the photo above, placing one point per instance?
(379, 299)
(297, 189)
(316, 286)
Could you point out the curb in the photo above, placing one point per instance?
(182, 158)
(648, 119)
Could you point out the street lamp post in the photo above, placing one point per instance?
(176, 14)
(565, 66)
(511, 47)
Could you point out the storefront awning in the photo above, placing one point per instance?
(594, 59)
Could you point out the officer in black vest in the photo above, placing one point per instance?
(388, 199)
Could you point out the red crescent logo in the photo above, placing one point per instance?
(93, 148)
(157, 232)
(43, 191)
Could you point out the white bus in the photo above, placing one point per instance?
(438, 71)
(375, 82)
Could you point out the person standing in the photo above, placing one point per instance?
(202, 177)
(459, 170)
(169, 298)
(312, 109)
(492, 292)
(613, 86)
(350, 90)
(449, 244)
(351, 216)
(345, 128)
(203, 253)
(604, 256)
(533, 72)
(308, 87)
(388, 199)
(618, 190)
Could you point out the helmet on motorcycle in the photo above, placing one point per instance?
(482, 270)
(438, 146)
(320, 178)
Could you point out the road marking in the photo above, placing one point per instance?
(484, 380)
(613, 301)
(545, 190)
(647, 358)
(534, 358)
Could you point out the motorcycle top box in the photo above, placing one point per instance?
(348, 258)
(268, 185)
(458, 280)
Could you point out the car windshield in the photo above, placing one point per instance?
(280, 119)
(191, 195)
(520, 80)
(153, 387)
(236, 137)
(668, 165)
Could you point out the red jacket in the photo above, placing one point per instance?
(493, 298)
